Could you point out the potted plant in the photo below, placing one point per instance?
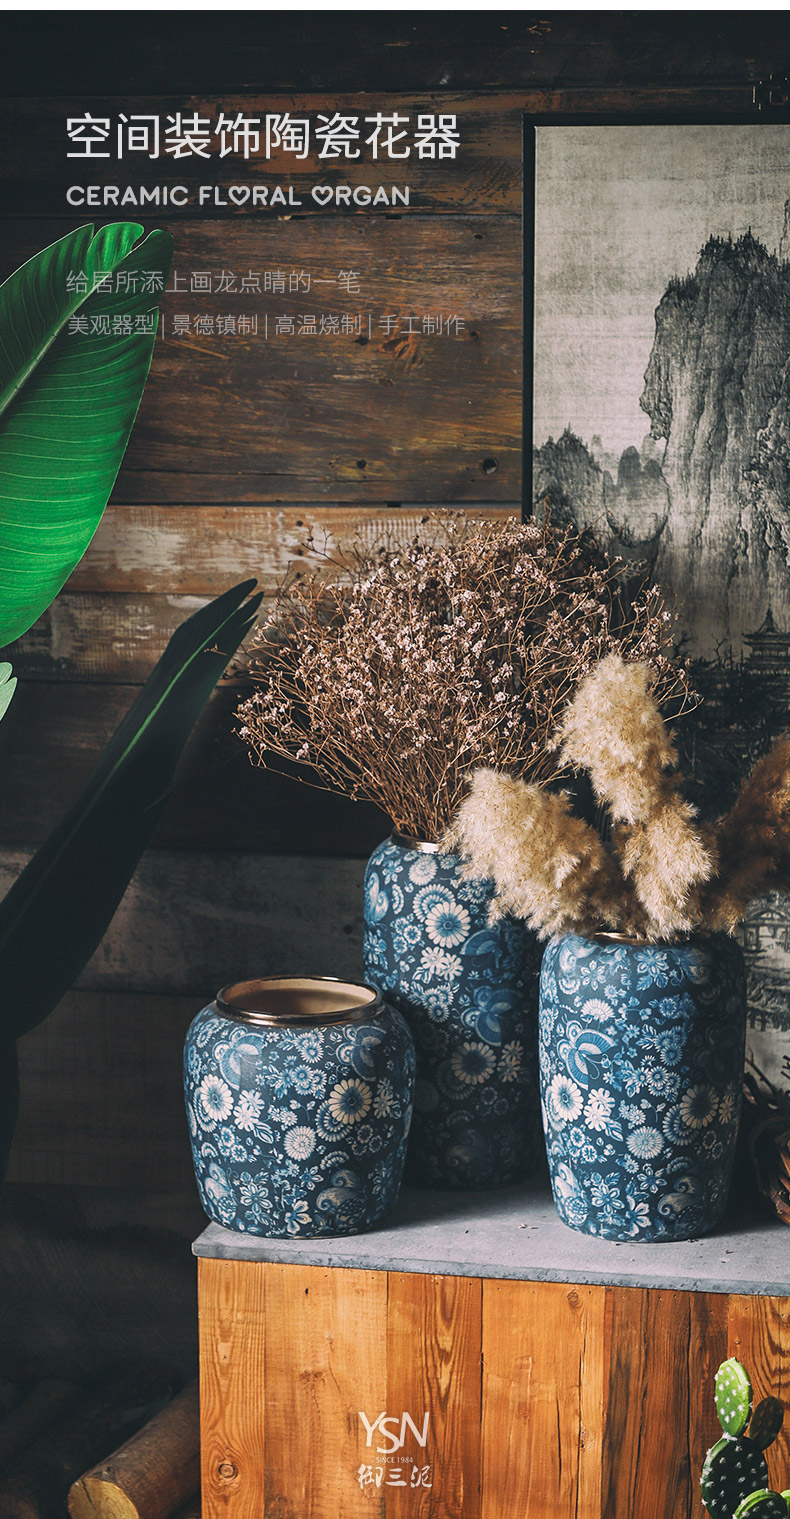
(642, 1000)
(387, 674)
(734, 1478)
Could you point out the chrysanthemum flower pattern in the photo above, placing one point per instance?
(298, 1131)
(640, 1132)
(468, 988)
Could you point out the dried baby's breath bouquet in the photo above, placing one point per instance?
(389, 673)
(658, 873)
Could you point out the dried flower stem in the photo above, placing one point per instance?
(390, 673)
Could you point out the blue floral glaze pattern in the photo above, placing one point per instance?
(469, 991)
(641, 1067)
(298, 1131)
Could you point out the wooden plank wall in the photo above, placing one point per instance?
(242, 444)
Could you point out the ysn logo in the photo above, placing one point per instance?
(396, 1435)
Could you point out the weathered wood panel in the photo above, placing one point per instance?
(233, 1324)
(275, 51)
(647, 1464)
(369, 417)
(589, 1405)
(543, 1400)
(53, 735)
(327, 1326)
(178, 550)
(115, 638)
(189, 923)
(708, 1347)
(149, 568)
(101, 1099)
(434, 1338)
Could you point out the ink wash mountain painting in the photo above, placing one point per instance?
(661, 376)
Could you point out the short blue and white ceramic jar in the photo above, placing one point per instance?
(469, 991)
(641, 1064)
(299, 1096)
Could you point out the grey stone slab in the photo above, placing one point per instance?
(516, 1234)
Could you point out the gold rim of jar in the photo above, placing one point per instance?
(336, 1001)
(406, 841)
(608, 936)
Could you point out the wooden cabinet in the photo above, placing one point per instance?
(331, 1391)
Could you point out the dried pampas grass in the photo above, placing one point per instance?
(753, 841)
(548, 866)
(661, 875)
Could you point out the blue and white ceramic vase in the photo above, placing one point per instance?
(468, 990)
(641, 1067)
(299, 1098)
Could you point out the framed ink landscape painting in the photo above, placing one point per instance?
(657, 413)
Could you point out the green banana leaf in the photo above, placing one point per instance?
(68, 399)
(56, 913)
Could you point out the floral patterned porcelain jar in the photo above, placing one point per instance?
(468, 989)
(641, 1062)
(299, 1097)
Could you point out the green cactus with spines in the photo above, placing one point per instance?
(764, 1505)
(735, 1470)
(733, 1397)
(766, 1423)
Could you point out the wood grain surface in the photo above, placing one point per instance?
(191, 922)
(273, 53)
(232, 1328)
(178, 550)
(53, 736)
(105, 1068)
(555, 1402)
(369, 416)
(434, 1339)
(327, 1326)
(543, 1363)
(483, 177)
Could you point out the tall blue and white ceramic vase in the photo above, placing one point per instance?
(641, 1066)
(468, 990)
(299, 1097)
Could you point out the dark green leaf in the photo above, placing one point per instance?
(56, 913)
(67, 402)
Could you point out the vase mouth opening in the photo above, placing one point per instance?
(410, 841)
(304, 1001)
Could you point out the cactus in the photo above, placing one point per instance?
(764, 1505)
(733, 1397)
(735, 1475)
(766, 1423)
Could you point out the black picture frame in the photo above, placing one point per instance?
(667, 115)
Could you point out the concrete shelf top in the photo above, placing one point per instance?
(516, 1234)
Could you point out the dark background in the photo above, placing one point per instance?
(153, 52)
